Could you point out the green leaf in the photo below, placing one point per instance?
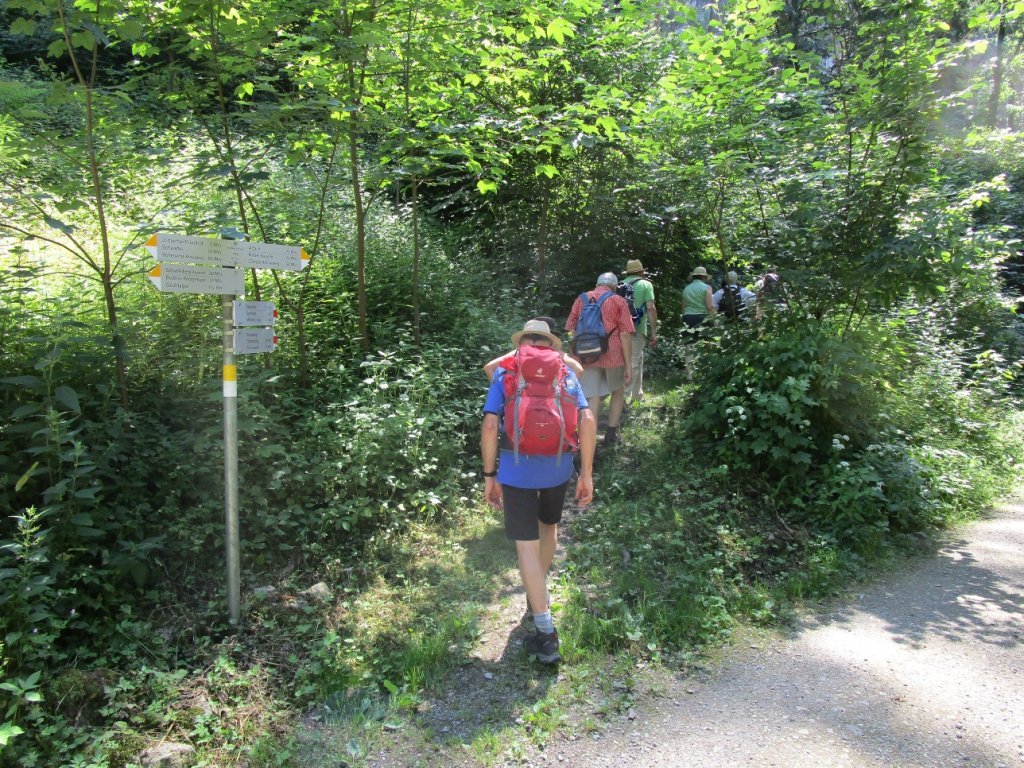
(484, 186)
(23, 27)
(56, 49)
(83, 38)
(67, 396)
(559, 29)
(8, 732)
(608, 124)
(131, 29)
(143, 49)
(22, 381)
(24, 478)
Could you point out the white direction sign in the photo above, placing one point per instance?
(190, 249)
(184, 278)
(254, 313)
(250, 341)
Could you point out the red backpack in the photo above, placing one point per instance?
(541, 416)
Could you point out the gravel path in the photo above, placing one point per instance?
(925, 668)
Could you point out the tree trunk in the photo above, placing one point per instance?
(357, 194)
(997, 70)
(415, 262)
(88, 84)
(542, 234)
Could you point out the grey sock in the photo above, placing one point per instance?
(544, 622)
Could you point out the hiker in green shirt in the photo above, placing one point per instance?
(645, 322)
(698, 306)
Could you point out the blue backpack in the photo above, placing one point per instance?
(590, 340)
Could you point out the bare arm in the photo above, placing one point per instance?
(588, 440)
(572, 364)
(652, 322)
(627, 352)
(492, 366)
(709, 301)
(489, 457)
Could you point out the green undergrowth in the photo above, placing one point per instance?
(790, 469)
(703, 524)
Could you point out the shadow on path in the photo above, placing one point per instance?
(924, 668)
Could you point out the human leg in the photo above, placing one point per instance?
(533, 575)
(543, 645)
(615, 407)
(549, 516)
(636, 384)
(617, 382)
(592, 382)
(531, 519)
(548, 545)
(693, 323)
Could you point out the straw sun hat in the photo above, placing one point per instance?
(537, 328)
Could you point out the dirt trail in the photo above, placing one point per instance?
(924, 668)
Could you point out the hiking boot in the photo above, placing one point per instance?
(543, 647)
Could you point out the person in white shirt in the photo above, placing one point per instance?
(742, 299)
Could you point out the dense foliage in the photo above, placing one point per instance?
(451, 169)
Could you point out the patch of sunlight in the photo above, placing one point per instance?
(945, 678)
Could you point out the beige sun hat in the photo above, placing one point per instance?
(634, 267)
(537, 328)
(699, 272)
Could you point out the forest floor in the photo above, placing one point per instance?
(924, 667)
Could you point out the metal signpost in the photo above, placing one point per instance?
(248, 329)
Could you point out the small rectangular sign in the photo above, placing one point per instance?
(254, 313)
(185, 278)
(250, 341)
(190, 249)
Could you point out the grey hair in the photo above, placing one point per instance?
(732, 278)
(608, 278)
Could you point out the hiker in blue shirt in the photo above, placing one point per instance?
(527, 482)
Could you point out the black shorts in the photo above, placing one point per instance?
(525, 508)
(693, 323)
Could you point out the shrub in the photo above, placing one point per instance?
(854, 435)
